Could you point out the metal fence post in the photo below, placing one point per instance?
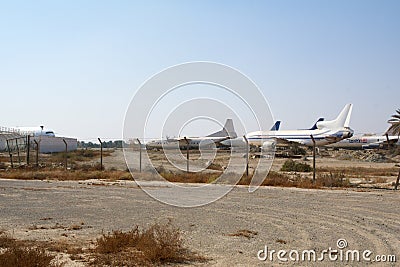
(9, 152)
(397, 180)
(313, 140)
(28, 149)
(101, 154)
(37, 152)
(66, 154)
(187, 155)
(19, 157)
(140, 155)
(247, 155)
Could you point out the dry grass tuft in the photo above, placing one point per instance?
(295, 166)
(191, 177)
(379, 180)
(333, 179)
(79, 155)
(360, 171)
(61, 175)
(159, 244)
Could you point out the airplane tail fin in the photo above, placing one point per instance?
(315, 124)
(228, 130)
(276, 126)
(343, 120)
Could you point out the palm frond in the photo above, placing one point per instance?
(395, 121)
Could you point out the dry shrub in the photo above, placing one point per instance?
(16, 254)
(333, 179)
(215, 166)
(188, 177)
(117, 241)
(363, 171)
(3, 165)
(5, 240)
(79, 155)
(25, 257)
(380, 180)
(162, 243)
(48, 174)
(159, 244)
(294, 166)
(283, 180)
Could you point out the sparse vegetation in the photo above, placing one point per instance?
(61, 175)
(214, 166)
(380, 180)
(16, 254)
(159, 244)
(79, 155)
(294, 166)
(296, 149)
(333, 179)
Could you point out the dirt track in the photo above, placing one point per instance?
(283, 218)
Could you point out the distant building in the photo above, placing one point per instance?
(52, 144)
(48, 142)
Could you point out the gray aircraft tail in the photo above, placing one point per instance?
(228, 130)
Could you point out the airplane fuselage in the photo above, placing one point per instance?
(181, 143)
(321, 136)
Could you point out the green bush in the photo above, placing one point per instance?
(292, 166)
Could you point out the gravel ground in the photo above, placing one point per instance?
(280, 218)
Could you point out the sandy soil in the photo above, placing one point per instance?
(283, 218)
(279, 218)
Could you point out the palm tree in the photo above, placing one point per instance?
(395, 130)
(395, 121)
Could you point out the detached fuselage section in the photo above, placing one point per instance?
(366, 142)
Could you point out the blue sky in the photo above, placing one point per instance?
(75, 65)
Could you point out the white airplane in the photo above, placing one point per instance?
(227, 132)
(365, 142)
(326, 132)
(240, 142)
(36, 131)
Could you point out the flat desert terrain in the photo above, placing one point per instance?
(228, 232)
